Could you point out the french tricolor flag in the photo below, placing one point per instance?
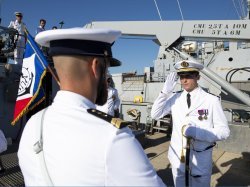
(30, 92)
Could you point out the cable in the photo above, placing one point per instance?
(233, 71)
(229, 73)
(243, 69)
(236, 8)
(241, 12)
(180, 10)
(241, 8)
(158, 10)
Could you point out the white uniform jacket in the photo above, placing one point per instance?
(208, 131)
(20, 44)
(39, 29)
(83, 150)
(113, 102)
(20, 27)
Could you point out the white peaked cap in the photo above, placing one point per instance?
(187, 66)
(80, 41)
(102, 35)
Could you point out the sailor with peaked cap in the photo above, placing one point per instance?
(197, 115)
(18, 14)
(20, 45)
(70, 143)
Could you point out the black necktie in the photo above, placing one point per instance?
(188, 100)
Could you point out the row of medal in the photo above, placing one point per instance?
(201, 113)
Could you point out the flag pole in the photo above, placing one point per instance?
(53, 75)
(48, 67)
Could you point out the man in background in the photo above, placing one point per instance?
(112, 105)
(21, 38)
(41, 26)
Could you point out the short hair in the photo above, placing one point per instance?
(42, 20)
(54, 27)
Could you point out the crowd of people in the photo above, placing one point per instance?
(79, 139)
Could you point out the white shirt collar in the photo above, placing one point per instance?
(71, 98)
(192, 93)
(41, 27)
(16, 22)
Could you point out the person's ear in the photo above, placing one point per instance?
(198, 77)
(94, 66)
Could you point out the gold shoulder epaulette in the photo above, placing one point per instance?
(117, 122)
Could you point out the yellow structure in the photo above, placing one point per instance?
(138, 99)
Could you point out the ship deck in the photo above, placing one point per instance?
(229, 169)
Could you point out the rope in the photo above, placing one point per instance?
(180, 10)
(158, 10)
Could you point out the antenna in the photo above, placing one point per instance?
(61, 24)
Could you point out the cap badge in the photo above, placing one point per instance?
(184, 64)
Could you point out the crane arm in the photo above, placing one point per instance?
(167, 32)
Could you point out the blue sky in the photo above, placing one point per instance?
(135, 54)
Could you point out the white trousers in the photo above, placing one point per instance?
(179, 179)
(19, 51)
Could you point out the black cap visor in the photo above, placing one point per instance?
(114, 62)
(83, 47)
(187, 72)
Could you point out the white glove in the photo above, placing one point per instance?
(170, 82)
(190, 130)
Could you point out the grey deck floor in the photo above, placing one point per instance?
(229, 169)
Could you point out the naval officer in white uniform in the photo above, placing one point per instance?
(196, 114)
(112, 105)
(21, 40)
(70, 143)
